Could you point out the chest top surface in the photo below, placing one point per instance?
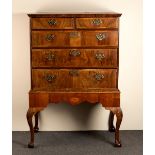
(82, 14)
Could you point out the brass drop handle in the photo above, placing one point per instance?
(99, 56)
(50, 37)
(52, 22)
(74, 53)
(96, 21)
(100, 36)
(99, 76)
(50, 77)
(73, 72)
(50, 57)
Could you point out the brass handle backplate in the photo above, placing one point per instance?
(50, 57)
(100, 36)
(74, 53)
(99, 76)
(99, 56)
(96, 22)
(50, 37)
(50, 77)
(52, 22)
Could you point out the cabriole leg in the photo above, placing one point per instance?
(119, 115)
(29, 116)
(111, 119)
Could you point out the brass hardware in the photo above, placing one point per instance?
(73, 34)
(99, 76)
(74, 72)
(74, 53)
(99, 56)
(50, 57)
(96, 22)
(100, 36)
(52, 22)
(50, 77)
(50, 37)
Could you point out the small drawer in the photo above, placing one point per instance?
(74, 38)
(44, 79)
(99, 38)
(83, 58)
(95, 23)
(52, 23)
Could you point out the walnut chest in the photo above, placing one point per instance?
(74, 58)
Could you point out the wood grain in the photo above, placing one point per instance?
(74, 58)
(107, 98)
(61, 23)
(79, 79)
(73, 38)
(89, 38)
(87, 23)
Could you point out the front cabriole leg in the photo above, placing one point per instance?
(119, 115)
(37, 102)
(29, 116)
(30, 113)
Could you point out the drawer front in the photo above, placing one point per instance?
(74, 58)
(94, 23)
(74, 38)
(46, 79)
(100, 38)
(56, 38)
(52, 23)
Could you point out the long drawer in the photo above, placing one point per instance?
(83, 58)
(46, 79)
(74, 38)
